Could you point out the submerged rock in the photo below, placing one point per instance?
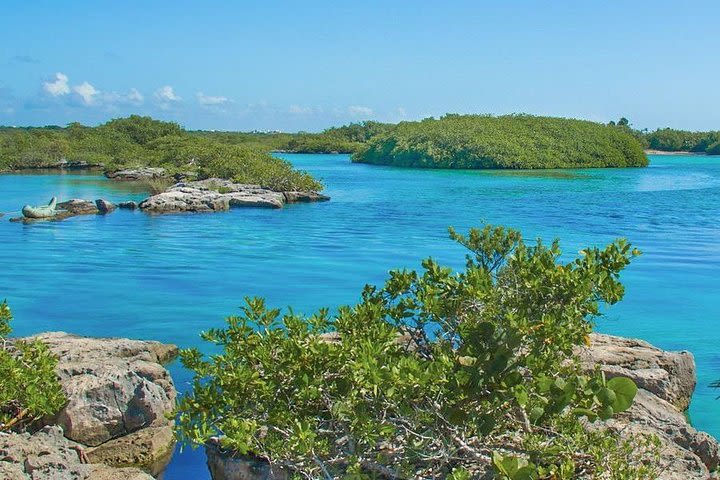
(215, 194)
(118, 397)
(129, 205)
(135, 174)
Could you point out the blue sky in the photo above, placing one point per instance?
(309, 65)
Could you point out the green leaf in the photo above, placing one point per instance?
(625, 390)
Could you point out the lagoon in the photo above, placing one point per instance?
(169, 277)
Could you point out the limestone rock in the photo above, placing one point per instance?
(119, 396)
(669, 375)
(225, 466)
(303, 197)
(129, 205)
(135, 174)
(104, 206)
(47, 455)
(77, 206)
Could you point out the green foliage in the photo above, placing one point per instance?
(425, 375)
(511, 141)
(29, 388)
(671, 140)
(141, 141)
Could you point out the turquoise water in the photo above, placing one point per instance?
(169, 277)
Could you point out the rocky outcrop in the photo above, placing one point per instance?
(119, 396)
(77, 206)
(135, 174)
(62, 164)
(48, 455)
(225, 466)
(104, 206)
(214, 194)
(666, 381)
(129, 205)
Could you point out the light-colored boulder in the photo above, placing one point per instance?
(669, 375)
(119, 398)
(48, 455)
(135, 174)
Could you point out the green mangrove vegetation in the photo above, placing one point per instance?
(144, 142)
(30, 388)
(429, 374)
(510, 141)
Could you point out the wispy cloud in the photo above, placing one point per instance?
(211, 100)
(300, 110)
(57, 87)
(360, 111)
(135, 96)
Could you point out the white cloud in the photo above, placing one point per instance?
(166, 94)
(360, 111)
(87, 92)
(210, 100)
(402, 113)
(59, 86)
(300, 110)
(135, 96)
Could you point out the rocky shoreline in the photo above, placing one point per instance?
(209, 195)
(116, 426)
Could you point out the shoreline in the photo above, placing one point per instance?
(678, 152)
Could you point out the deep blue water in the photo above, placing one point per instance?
(169, 277)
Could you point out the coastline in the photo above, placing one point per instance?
(679, 152)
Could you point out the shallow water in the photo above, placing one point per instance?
(169, 277)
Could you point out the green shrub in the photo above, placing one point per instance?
(426, 375)
(29, 388)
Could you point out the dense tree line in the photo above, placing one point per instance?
(510, 141)
(142, 141)
(672, 140)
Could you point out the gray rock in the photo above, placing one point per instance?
(47, 455)
(211, 195)
(669, 375)
(77, 206)
(135, 174)
(104, 206)
(666, 381)
(118, 397)
(304, 197)
(223, 465)
(129, 205)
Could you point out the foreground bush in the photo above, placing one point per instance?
(433, 375)
(29, 387)
(510, 141)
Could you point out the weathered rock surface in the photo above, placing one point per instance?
(104, 206)
(118, 397)
(668, 375)
(214, 194)
(77, 206)
(62, 164)
(666, 381)
(225, 466)
(135, 174)
(129, 205)
(47, 455)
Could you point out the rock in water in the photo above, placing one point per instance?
(128, 205)
(77, 206)
(135, 174)
(216, 194)
(104, 206)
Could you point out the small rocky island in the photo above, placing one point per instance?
(208, 195)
